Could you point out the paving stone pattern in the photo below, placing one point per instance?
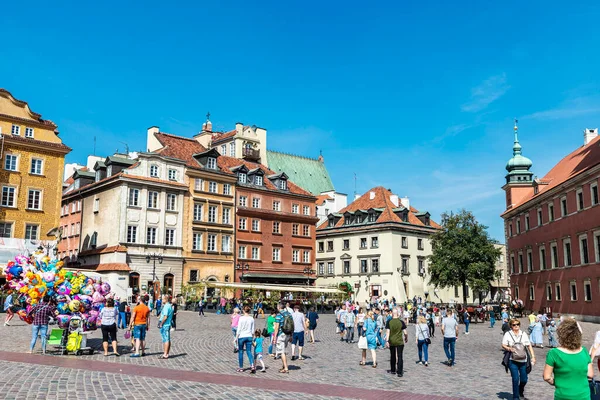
(205, 344)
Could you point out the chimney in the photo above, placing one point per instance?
(152, 143)
(394, 200)
(589, 135)
(405, 202)
(207, 126)
(371, 195)
(239, 127)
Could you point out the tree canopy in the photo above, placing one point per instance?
(463, 254)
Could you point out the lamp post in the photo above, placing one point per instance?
(242, 267)
(154, 257)
(308, 271)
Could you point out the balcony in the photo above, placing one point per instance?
(251, 154)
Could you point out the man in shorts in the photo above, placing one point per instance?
(164, 324)
(140, 323)
(341, 317)
(299, 329)
(280, 338)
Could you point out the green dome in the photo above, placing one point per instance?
(518, 162)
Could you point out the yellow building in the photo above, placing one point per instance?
(32, 157)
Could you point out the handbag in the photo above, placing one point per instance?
(519, 353)
(594, 389)
(265, 332)
(427, 340)
(362, 343)
(127, 334)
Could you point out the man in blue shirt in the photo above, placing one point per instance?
(280, 338)
(164, 323)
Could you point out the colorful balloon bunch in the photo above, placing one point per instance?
(75, 294)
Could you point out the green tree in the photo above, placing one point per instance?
(463, 254)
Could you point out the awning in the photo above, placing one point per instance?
(265, 286)
(277, 276)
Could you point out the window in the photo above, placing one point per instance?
(516, 292)
(372, 217)
(152, 199)
(346, 266)
(529, 261)
(73, 207)
(321, 269)
(212, 242)
(283, 184)
(72, 229)
(28, 132)
(404, 242)
(78, 228)
(96, 205)
(420, 244)
(295, 256)
(587, 291)
(456, 294)
(542, 258)
(276, 227)
(193, 275)
(579, 200)
(520, 263)
(78, 205)
(346, 244)
(151, 235)
(567, 250)
(374, 242)
(212, 187)
(172, 174)
(255, 253)
(306, 230)
(276, 205)
(330, 270)
(34, 198)
(154, 171)
(594, 193)
(211, 163)
(563, 207)
(243, 200)
(519, 225)
(131, 234)
(36, 166)
(242, 178)
(295, 208)
(255, 202)
(242, 252)
(171, 202)
(232, 149)
(557, 294)
(539, 217)
(243, 224)
(512, 265)
(276, 254)
(531, 292)
(597, 246)
(226, 215)
(527, 222)
(11, 162)
(226, 189)
(198, 184)
(330, 245)
(554, 255)
(550, 212)
(573, 286)
(223, 149)
(258, 180)
(363, 243)
(510, 232)
(405, 266)
(374, 265)
(15, 130)
(134, 197)
(548, 292)
(295, 229)
(170, 237)
(306, 210)
(197, 212)
(197, 241)
(226, 244)
(31, 232)
(363, 266)
(256, 225)
(321, 247)
(583, 250)
(212, 214)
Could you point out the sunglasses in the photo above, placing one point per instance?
(516, 325)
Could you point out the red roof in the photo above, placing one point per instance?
(179, 147)
(220, 136)
(104, 250)
(577, 162)
(321, 199)
(106, 267)
(381, 199)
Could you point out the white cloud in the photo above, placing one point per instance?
(571, 108)
(485, 93)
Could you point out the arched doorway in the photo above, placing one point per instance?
(168, 284)
(210, 291)
(134, 282)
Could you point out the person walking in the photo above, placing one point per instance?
(243, 336)
(9, 308)
(515, 342)
(255, 310)
(370, 333)
(158, 306)
(552, 342)
(450, 332)
(568, 367)
(395, 338)
(340, 319)
(595, 348)
(537, 334)
(422, 339)
(349, 322)
(235, 318)
(41, 313)
(174, 319)
(201, 307)
(466, 320)
(360, 321)
(164, 324)
(122, 323)
(492, 315)
(258, 349)
(108, 317)
(281, 337)
(299, 331)
(429, 319)
(140, 324)
(312, 317)
(270, 330)
(380, 324)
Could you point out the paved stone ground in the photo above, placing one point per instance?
(204, 345)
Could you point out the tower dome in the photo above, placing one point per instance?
(518, 166)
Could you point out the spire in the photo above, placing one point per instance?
(207, 126)
(517, 145)
(518, 166)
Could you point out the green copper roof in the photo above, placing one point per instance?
(518, 161)
(308, 173)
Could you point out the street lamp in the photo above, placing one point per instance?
(242, 267)
(308, 271)
(154, 257)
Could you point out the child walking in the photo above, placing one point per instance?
(258, 349)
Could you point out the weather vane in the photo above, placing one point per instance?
(208, 116)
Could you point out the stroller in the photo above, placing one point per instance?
(74, 340)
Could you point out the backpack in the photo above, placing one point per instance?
(288, 324)
(74, 342)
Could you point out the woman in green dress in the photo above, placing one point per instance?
(569, 366)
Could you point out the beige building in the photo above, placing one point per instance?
(500, 287)
(379, 244)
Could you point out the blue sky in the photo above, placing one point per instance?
(416, 98)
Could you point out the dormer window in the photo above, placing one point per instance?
(154, 171)
(331, 222)
(98, 176)
(242, 177)
(258, 180)
(172, 174)
(283, 185)
(372, 217)
(211, 163)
